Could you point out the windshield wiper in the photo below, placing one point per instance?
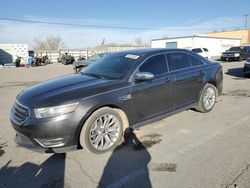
(95, 75)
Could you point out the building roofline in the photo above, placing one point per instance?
(194, 37)
(230, 31)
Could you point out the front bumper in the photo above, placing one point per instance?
(230, 58)
(26, 142)
(50, 135)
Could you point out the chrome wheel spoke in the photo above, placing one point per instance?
(209, 98)
(97, 138)
(104, 132)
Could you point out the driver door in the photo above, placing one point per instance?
(154, 97)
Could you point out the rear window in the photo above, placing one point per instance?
(177, 61)
(195, 61)
(196, 50)
(205, 49)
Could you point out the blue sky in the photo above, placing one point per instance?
(177, 18)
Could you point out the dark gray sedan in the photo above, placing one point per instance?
(91, 110)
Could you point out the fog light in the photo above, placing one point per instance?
(56, 142)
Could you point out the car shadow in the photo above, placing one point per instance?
(236, 72)
(128, 165)
(49, 174)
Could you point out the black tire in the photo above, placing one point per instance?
(84, 138)
(201, 107)
(247, 75)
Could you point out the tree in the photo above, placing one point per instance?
(50, 43)
(138, 41)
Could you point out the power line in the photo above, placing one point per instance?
(106, 27)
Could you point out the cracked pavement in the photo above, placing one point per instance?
(189, 149)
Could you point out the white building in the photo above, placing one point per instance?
(215, 45)
(9, 52)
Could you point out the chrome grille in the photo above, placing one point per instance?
(20, 113)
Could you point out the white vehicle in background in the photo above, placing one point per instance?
(201, 51)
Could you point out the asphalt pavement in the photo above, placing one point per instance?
(189, 149)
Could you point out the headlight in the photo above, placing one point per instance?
(236, 55)
(55, 110)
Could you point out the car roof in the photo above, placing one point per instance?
(145, 51)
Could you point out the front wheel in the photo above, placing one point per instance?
(207, 99)
(102, 131)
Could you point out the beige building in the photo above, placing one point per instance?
(244, 35)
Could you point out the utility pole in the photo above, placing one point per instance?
(246, 17)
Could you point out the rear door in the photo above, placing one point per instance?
(188, 77)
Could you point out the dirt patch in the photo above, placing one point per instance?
(1, 149)
(147, 141)
(162, 167)
(238, 93)
(18, 84)
(239, 78)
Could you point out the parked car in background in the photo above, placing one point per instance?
(79, 64)
(236, 53)
(91, 110)
(246, 69)
(202, 51)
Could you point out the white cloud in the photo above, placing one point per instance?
(80, 37)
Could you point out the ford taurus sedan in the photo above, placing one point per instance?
(91, 110)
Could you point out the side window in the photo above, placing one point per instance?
(178, 61)
(195, 61)
(156, 65)
(205, 49)
(196, 50)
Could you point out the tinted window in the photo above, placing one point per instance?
(196, 50)
(205, 49)
(237, 48)
(195, 61)
(155, 65)
(178, 61)
(96, 57)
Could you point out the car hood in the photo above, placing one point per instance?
(62, 90)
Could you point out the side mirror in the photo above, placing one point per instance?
(144, 76)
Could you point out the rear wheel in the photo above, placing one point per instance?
(102, 131)
(207, 99)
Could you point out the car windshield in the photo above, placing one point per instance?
(96, 57)
(112, 66)
(237, 49)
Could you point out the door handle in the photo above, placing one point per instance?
(201, 73)
(169, 80)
